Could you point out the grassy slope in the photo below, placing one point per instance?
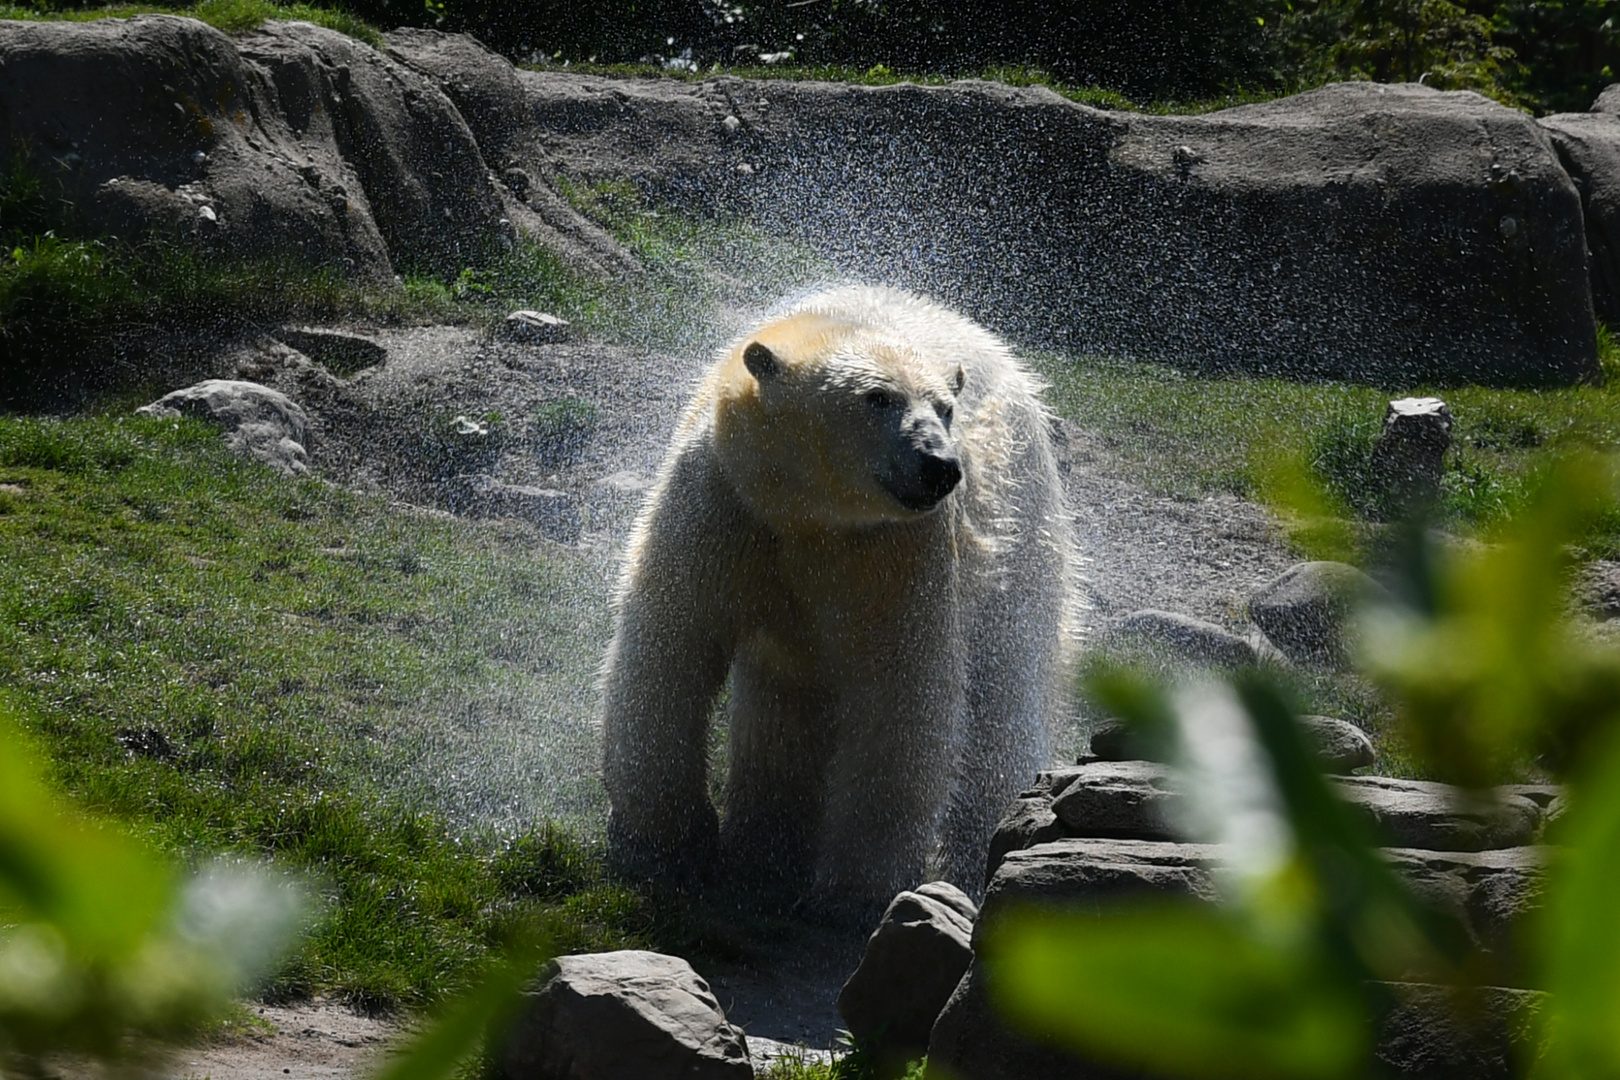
(231, 16)
(234, 662)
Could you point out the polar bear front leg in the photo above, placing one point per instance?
(898, 728)
(671, 649)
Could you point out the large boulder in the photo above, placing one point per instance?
(913, 961)
(1588, 145)
(259, 422)
(430, 191)
(1394, 233)
(1487, 892)
(481, 83)
(1424, 814)
(485, 88)
(602, 1016)
(158, 125)
(292, 143)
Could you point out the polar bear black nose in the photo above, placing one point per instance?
(939, 476)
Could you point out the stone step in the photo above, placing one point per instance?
(1139, 800)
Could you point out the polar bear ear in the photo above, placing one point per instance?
(959, 380)
(760, 361)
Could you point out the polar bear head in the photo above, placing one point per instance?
(830, 423)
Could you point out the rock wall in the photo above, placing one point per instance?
(1389, 233)
(293, 142)
(1394, 234)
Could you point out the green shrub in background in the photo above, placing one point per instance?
(1289, 975)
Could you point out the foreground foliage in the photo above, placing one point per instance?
(1290, 975)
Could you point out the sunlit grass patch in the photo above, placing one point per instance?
(229, 661)
(1189, 435)
(231, 16)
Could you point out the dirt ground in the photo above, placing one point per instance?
(1140, 549)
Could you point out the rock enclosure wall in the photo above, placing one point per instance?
(1387, 233)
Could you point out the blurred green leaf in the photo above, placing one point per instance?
(101, 891)
(100, 952)
(1580, 927)
(1173, 988)
(1317, 523)
(1498, 673)
(475, 1020)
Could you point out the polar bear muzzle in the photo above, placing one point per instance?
(924, 467)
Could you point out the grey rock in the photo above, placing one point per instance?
(1026, 823)
(1341, 745)
(1408, 459)
(1487, 892)
(259, 422)
(429, 189)
(1114, 741)
(535, 328)
(970, 1041)
(1543, 795)
(488, 93)
(1597, 588)
(913, 961)
(140, 143)
(1588, 145)
(1373, 194)
(481, 83)
(1085, 873)
(1189, 638)
(1424, 814)
(1123, 799)
(1428, 1035)
(623, 1014)
(1434, 1034)
(1305, 611)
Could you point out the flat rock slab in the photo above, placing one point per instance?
(1126, 799)
(1186, 638)
(623, 1014)
(1341, 745)
(1423, 814)
(1486, 892)
(1139, 800)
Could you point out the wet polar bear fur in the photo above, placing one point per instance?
(894, 638)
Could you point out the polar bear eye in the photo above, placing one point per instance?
(945, 413)
(883, 399)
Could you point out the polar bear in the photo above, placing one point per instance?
(860, 524)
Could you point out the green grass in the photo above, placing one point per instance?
(233, 662)
(231, 16)
(1188, 436)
